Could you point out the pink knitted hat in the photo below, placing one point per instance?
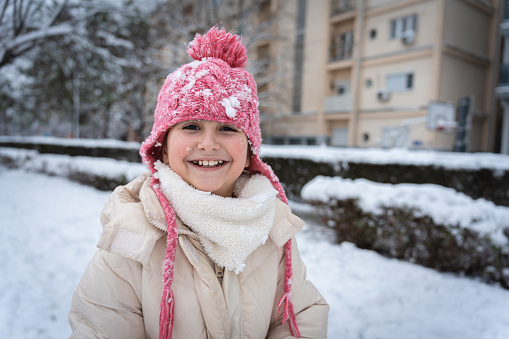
(213, 87)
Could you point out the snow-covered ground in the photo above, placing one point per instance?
(50, 227)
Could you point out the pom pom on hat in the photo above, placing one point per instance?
(217, 43)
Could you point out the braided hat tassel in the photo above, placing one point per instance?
(167, 306)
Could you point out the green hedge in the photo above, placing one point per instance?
(126, 154)
(66, 169)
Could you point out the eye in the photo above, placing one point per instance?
(229, 128)
(191, 127)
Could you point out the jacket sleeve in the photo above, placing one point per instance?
(105, 304)
(311, 309)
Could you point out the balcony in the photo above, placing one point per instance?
(341, 51)
(342, 6)
(338, 104)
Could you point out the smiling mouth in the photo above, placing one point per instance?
(211, 163)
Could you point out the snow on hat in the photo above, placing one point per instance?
(216, 87)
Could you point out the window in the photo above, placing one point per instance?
(263, 58)
(278, 140)
(264, 11)
(342, 46)
(342, 87)
(295, 141)
(342, 6)
(400, 82)
(400, 25)
(339, 137)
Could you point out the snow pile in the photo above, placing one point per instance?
(444, 205)
(451, 160)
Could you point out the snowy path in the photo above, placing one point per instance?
(50, 227)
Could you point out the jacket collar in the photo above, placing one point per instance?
(115, 219)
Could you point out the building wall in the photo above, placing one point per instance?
(294, 126)
(284, 26)
(418, 63)
(315, 54)
(382, 45)
(460, 78)
(467, 63)
(405, 125)
(467, 26)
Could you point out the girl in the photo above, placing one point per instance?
(202, 246)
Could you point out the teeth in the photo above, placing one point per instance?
(210, 163)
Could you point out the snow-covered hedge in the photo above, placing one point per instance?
(104, 148)
(102, 173)
(426, 224)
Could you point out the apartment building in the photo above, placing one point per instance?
(392, 73)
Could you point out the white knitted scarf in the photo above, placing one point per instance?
(228, 228)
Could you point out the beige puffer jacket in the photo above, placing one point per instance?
(120, 292)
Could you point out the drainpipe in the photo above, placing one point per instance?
(358, 61)
(495, 73)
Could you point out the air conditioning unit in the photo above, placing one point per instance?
(408, 37)
(383, 95)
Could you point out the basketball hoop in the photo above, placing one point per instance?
(441, 117)
(446, 126)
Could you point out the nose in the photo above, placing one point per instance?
(208, 141)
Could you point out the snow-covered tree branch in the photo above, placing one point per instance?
(25, 25)
(92, 68)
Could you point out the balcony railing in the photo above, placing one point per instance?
(342, 6)
(337, 104)
(340, 51)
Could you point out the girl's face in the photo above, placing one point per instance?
(208, 155)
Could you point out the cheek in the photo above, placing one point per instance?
(177, 150)
(241, 150)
